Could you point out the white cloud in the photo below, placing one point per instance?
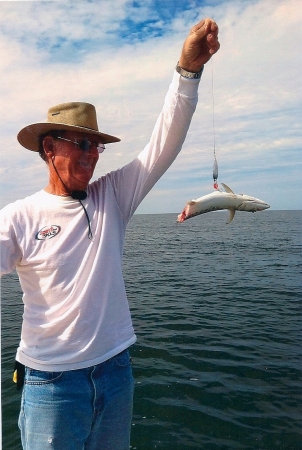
(53, 52)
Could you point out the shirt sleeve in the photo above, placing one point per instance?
(10, 252)
(133, 182)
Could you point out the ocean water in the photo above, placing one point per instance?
(217, 312)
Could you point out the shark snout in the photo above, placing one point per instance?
(262, 205)
(258, 205)
(253, 205)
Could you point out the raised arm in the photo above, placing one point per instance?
(134, 181)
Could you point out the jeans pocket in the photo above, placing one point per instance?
(38, 377)
(122, 359)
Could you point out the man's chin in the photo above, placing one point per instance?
(83, 178)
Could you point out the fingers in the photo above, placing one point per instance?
(205, 26)
(212, 42)
(214, 26)
(215, 49)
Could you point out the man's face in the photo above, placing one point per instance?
(75, 166)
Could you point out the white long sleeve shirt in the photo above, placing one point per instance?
(76, 312)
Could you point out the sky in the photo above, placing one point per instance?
(120, 56)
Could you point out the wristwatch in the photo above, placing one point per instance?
(186, 74)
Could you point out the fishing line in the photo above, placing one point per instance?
(213, 110)
(215, 165)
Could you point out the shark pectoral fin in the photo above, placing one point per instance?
(227, 188)
(231, 215)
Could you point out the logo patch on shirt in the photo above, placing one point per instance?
(48, 232)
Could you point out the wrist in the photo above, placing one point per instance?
(187, 73)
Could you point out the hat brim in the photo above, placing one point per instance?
(29, 136)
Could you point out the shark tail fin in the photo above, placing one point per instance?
(227, 188)
(231, 215)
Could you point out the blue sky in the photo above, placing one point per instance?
(121, 55)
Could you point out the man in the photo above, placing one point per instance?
(66, 243)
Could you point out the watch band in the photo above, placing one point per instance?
(186, 74)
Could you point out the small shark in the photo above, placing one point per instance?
(218, 200)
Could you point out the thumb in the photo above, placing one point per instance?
(203, 28)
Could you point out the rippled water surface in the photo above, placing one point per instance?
(217, 313)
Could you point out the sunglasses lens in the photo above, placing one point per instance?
(84, 145)
(101, 148)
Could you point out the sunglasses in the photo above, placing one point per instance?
(85, 144)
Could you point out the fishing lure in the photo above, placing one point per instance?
(215, 173)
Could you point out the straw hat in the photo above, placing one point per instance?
(74, 116)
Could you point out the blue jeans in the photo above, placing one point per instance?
(85, 409)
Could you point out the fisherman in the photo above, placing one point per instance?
(66, 243)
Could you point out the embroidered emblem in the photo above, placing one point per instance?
(48, 232)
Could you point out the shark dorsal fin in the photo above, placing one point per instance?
(227, 189)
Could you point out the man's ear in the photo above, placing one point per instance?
(48, 146)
